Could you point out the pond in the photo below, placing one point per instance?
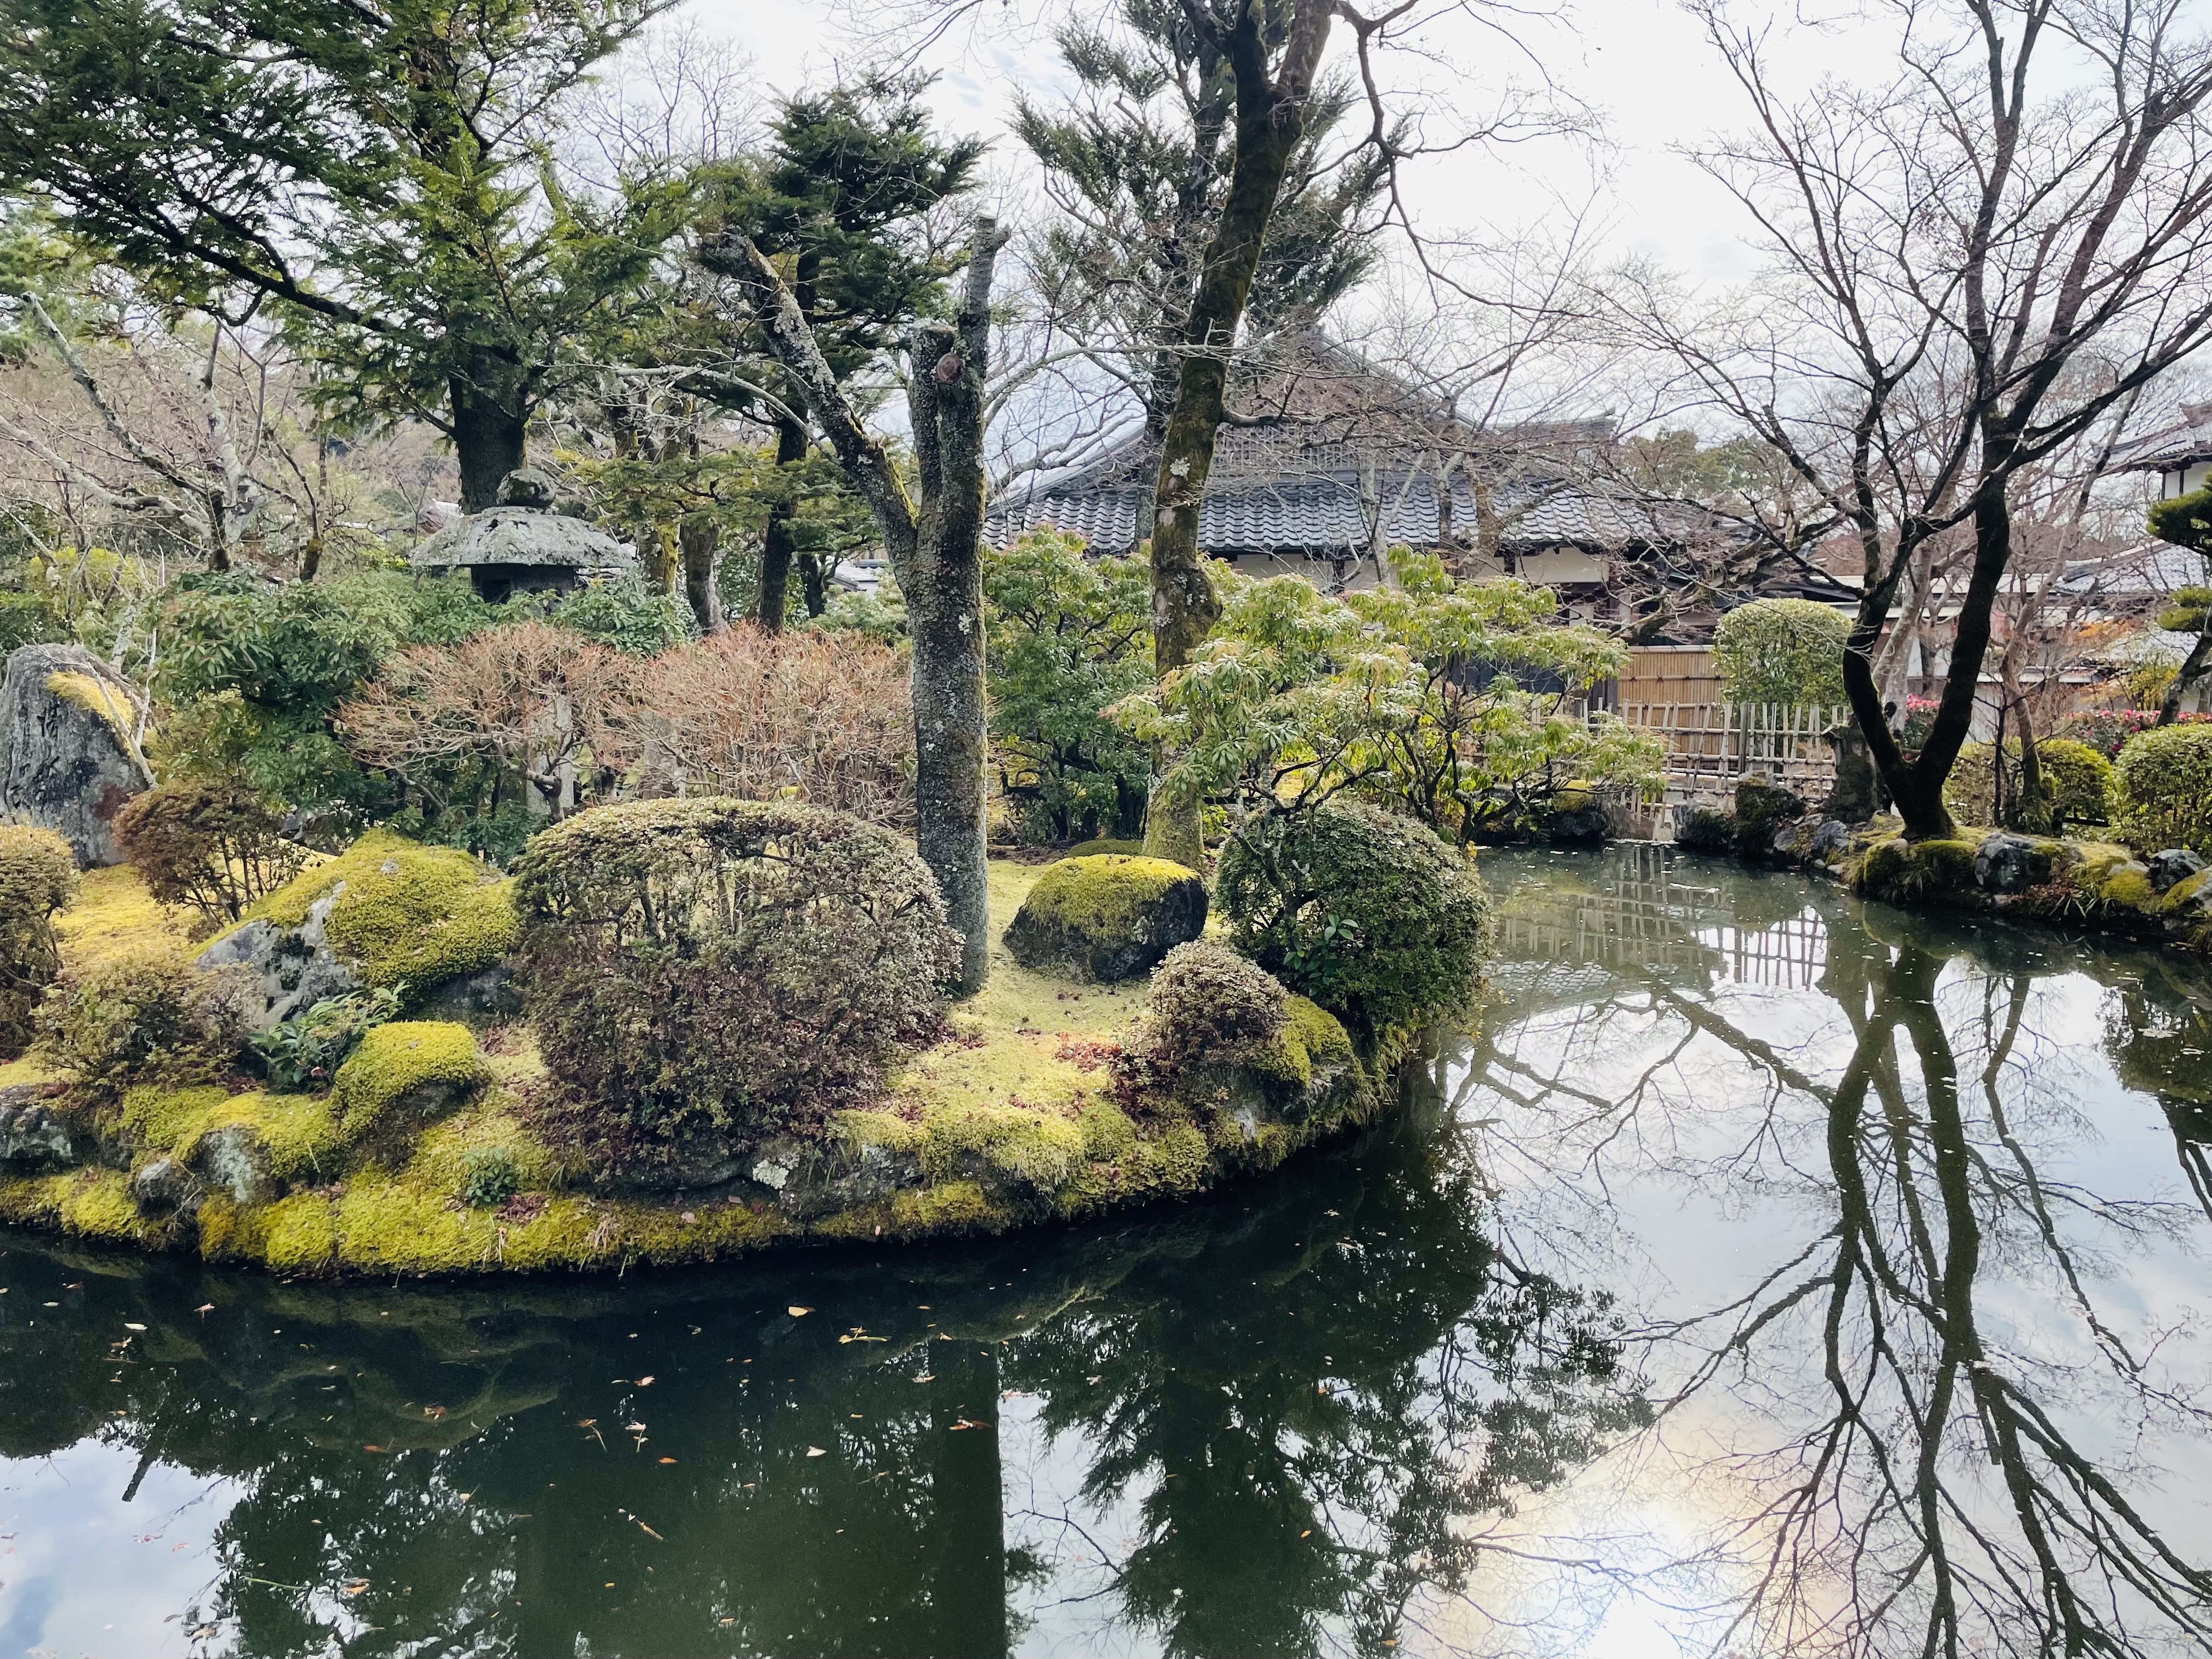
(1777, 1275)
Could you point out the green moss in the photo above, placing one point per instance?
(1033, 1148)
(298, 1234)
(298, 1134)
(97, 1203)
(1107, 1133)
(887, 1130)
(1105, 895)
(1092, 849)
(1311, 1035)
(95, 696)
(950, 1206)
(410, 915)
(2127, 888)
(2183, 893)
(396, 1060)
(1907, 871)
(442, 1153)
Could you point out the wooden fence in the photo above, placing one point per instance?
(1710, 744)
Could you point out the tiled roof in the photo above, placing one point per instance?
(2184, 443)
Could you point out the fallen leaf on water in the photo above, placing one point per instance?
(816, 1451)
(354, 1588)
(969, 1423)
(373, 1449)
(648, 1531)
(668, 1460)
(204, 1308)
(797, 1312)
(644, 1382)
(132, 1325)
(1308, 1533)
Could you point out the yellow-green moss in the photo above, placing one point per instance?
(441, 1160)
(885, 1129)
(299, 1134)
(1107, 1133)
(950, 1206)
(395, 1059)
(116, 919)
(1104, 895)
(97, 1203)
(410, 915)
(1033, 1147)
(2178, 896)
(1905, 872)
(94, 696)
(1311, 1035)
(298, 1234)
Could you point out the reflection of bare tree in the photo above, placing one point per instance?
(1948, 1477)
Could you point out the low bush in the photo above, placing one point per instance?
(2076, 777)
(38, 876)
(151, 1020)
(2163, 789)
(212, 844)
(1368, 913)
(489, 1177)
(1208, 1003)
(305, 1051)
(722, 968)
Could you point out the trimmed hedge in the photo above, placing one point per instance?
(2163, 790)
(1788, 651)
(1368, 913)
(724, 967)
(2077, 777)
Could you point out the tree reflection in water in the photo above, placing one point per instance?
(1966, 1389)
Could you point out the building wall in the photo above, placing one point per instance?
(2183, 480)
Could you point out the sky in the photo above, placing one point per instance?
(1643, 63)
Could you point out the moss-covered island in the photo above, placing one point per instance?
(454, 1145)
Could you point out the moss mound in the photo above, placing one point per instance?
(407, 1073)
(409, 915)
(1107, 917)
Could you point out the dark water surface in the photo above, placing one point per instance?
(1777, 1276)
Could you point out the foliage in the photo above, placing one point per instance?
(520, 703)
(214, 845)
(2077, 778)
(2107, 730)
(1408, 693)
(409, 915)
(723, 966)
(2163, 793)
(491, 1177)
(2186, 521)
(1210, 1005)
(154, 1019)
(305, 1051)
(1782, 650)
(423, 1066)
(38, 876)
(622, 614)
(1367, 913)
(880, 616)
(1068, 635)
(823, 717)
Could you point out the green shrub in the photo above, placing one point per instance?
(1209, 1004)
(151, 1020)
(305, 1051)
(38, 876)
(2162, 794)
(623, 613)
(2076, 777)
(406, 1074)
(1787, 651)
(214, 845)
(489, 1177)
(723, 966)
(1368, 913)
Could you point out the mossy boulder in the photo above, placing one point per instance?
(1903, 872)
(1104, 844)
(1705, 829)
(406, 1075)
(387, 913)
(1762, 806)
(66, 759)
(1108, 917)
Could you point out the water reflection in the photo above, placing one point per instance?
(1775, 1278)
(1952, 1336)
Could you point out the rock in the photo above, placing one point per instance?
(1107, 918)
(1705, 829)
(809, 1179)
(32, 1136)
(1829, 842)
(289, 970)
(232, 1159)
(66, 761)
(1579, 827)
(1856, 795)
(1762, 805)
(166, 1187)
(2175, 864)
(2011, 863)
(478, 999)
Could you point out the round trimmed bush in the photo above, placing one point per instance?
(2077, 777)
(1786, 651)
(38, 876)
(1209, 1004)
(1107, 917)
(2162, 789)
(725, 967)
(1368, 913)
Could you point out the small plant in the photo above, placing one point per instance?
(217, 847)
(38, 876)
(155, 1019)
(489, 1177)
(1209, 1004)
(305, 1051)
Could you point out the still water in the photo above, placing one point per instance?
(1777, 1275)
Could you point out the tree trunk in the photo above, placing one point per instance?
(1270, 117)
(2193, 668)
(699, 536)
(967, 1577)
(490, 424)
(777, 543)
(814, 583)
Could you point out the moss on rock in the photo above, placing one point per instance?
(1107, 917)
(407, 1073)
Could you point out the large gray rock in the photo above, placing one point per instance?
(287, 970)
(32, 1136)
(2174, 865)
(2011, 863)
(65, 762)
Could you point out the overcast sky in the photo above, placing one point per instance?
(1643, 63)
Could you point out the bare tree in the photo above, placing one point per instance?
(1972, 264)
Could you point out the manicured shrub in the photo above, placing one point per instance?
(1369, 914)
(213, 844)
(151, 1020)
(2162, 794)
(722, 966)
(2077, 778)
(38, 876)
(1786, 651)
(1209, 1004)
(1108, 916)
(305, 1052)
